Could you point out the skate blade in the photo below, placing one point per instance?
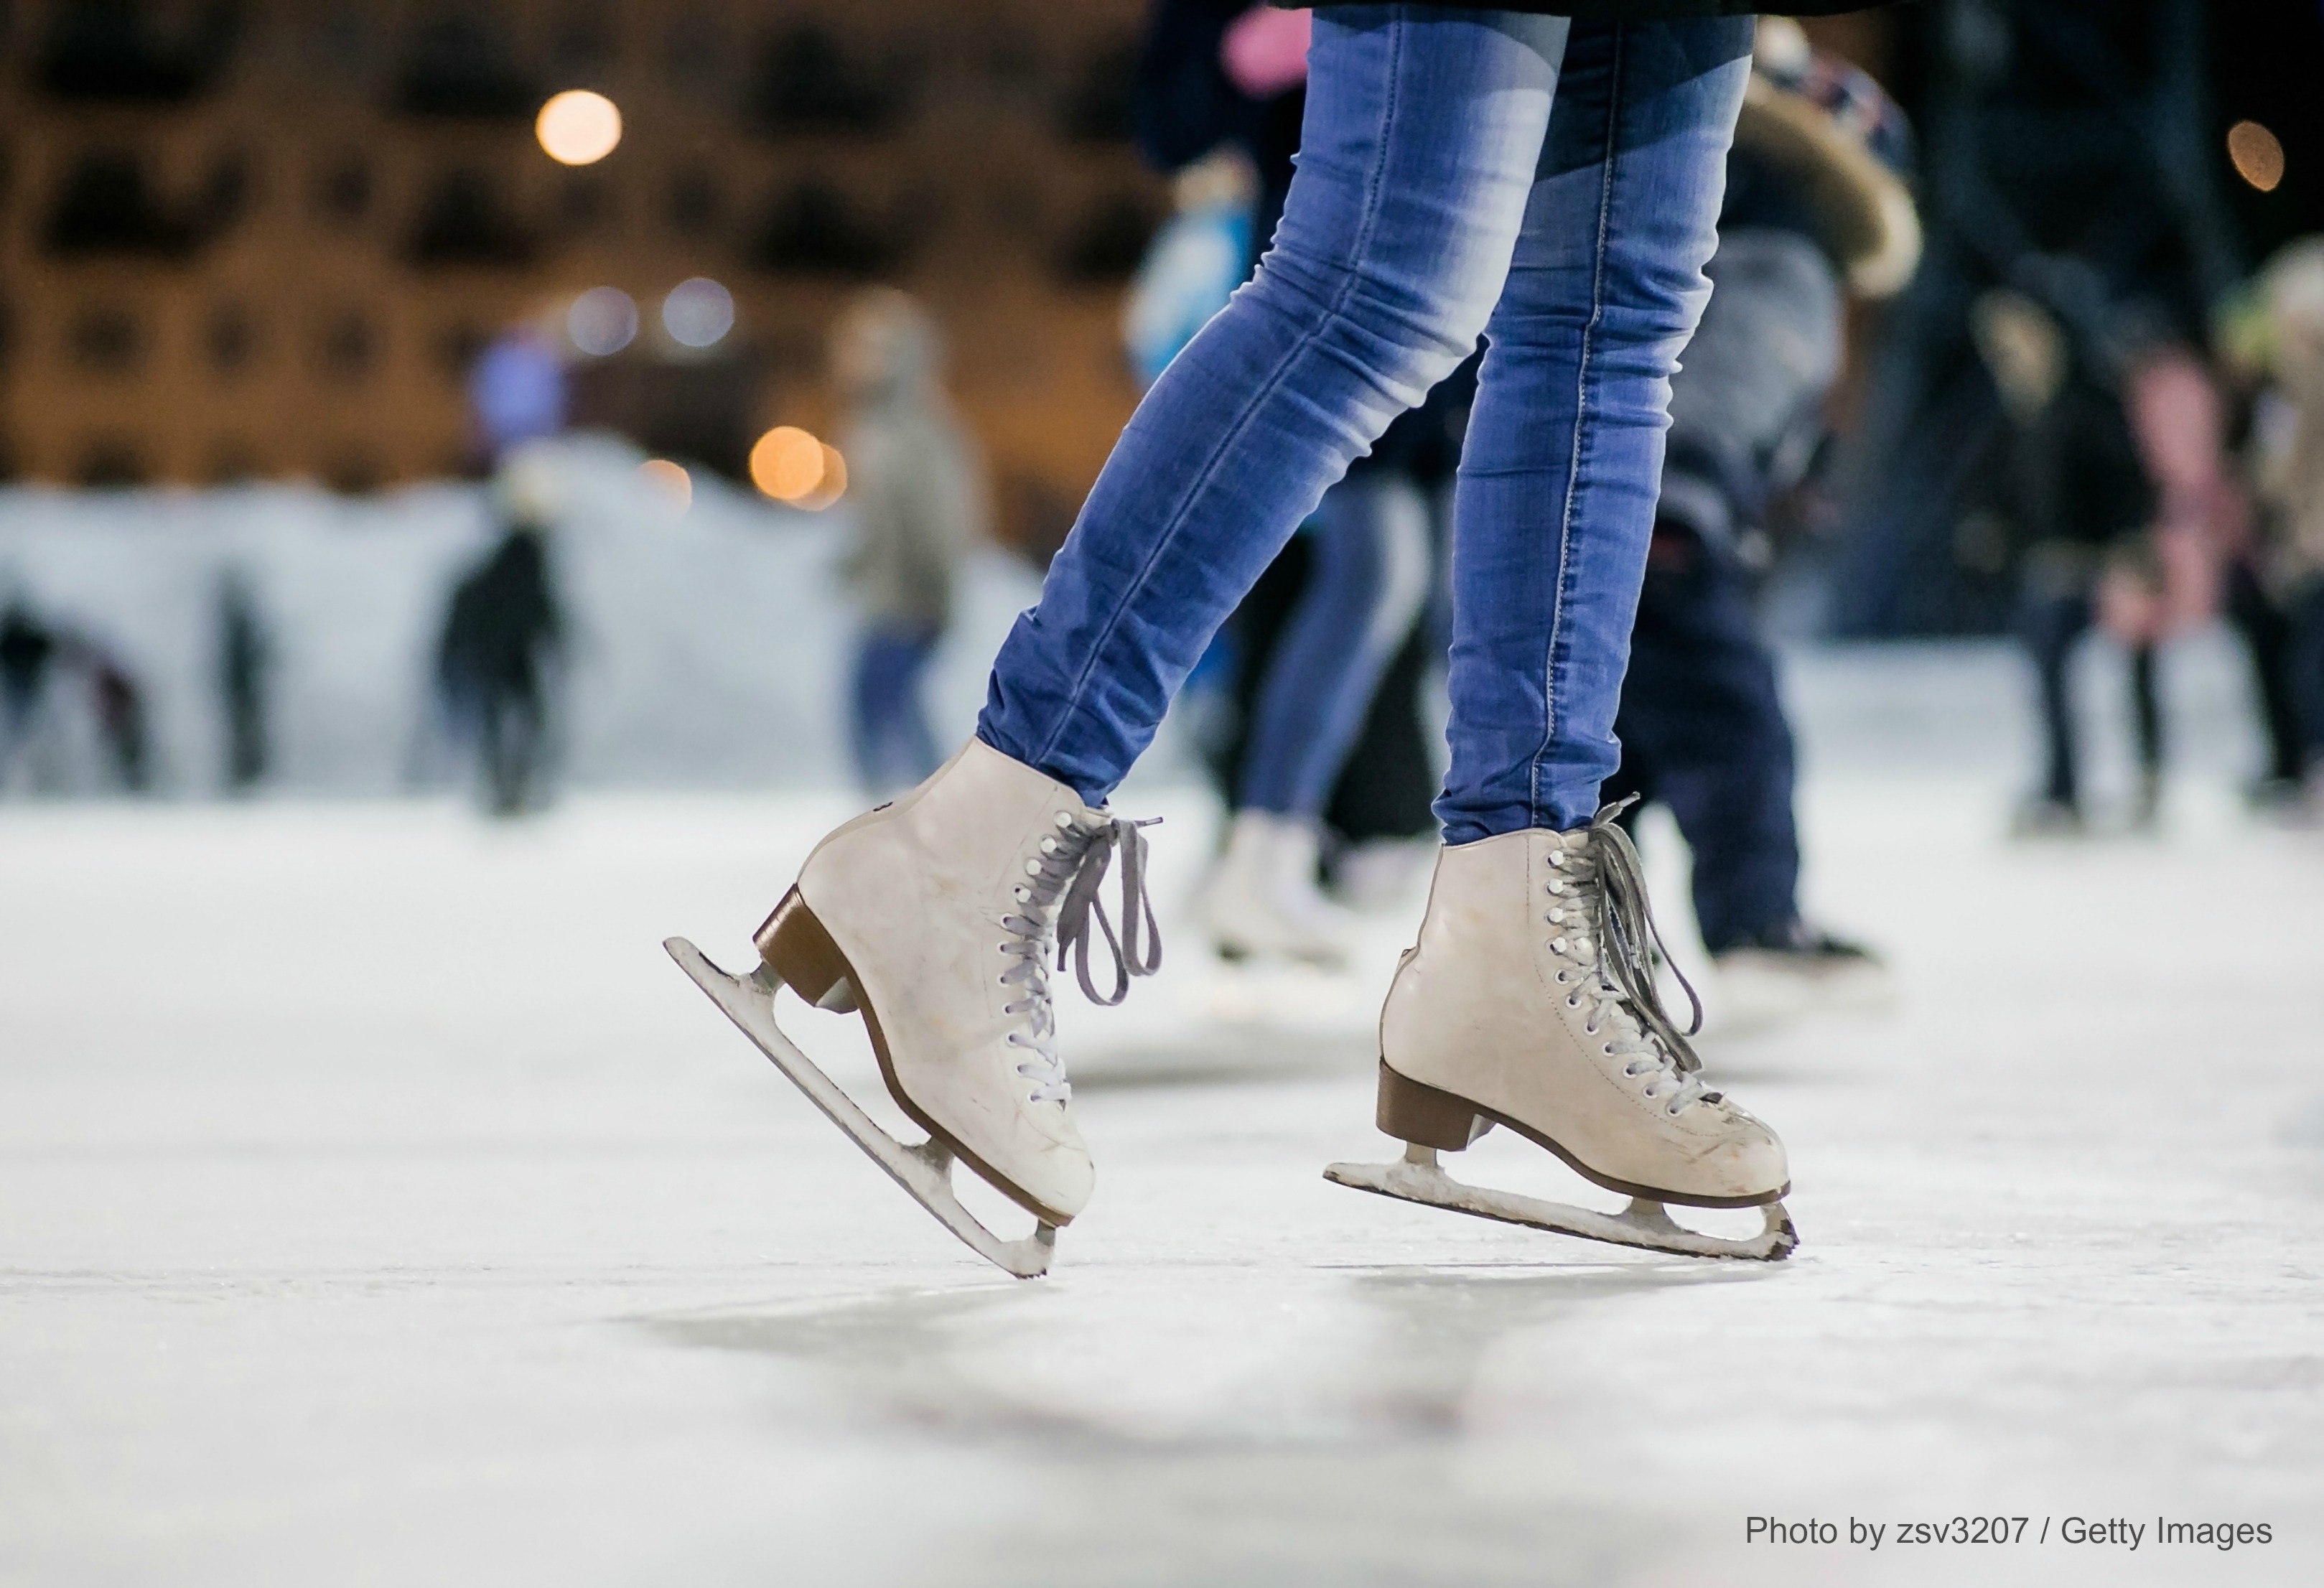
(924, 1170)
(1644, 1225)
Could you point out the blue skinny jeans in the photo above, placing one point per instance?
(1552, 185)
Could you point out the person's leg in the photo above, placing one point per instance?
(1367, 578)
(1422, 130)
(2267, 632)
(1701, 700)
(1558, 480)
(2050, 626)
(882, 699)
(2146, 714)
(1368, 575)
(2305, 663)
(1530, 998)
(916, 744)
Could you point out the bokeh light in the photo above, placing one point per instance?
(602, 321)
(697, 313)
(578, 127)
(832, 486)
(2257, 155)
(669, 480)
(792, 465)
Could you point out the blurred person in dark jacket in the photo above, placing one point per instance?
(28, 648)
(501, 634)
(244, 657)
(1816, 209)
(917, 489)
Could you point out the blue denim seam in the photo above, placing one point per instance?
(1380, 146)
(1565, 573)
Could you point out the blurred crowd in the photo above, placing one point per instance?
(1987, 310)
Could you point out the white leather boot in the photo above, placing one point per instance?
(934, 916)
(1262, 902)
(1516, 1009)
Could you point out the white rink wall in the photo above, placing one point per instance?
(710, 648)
(706, 649)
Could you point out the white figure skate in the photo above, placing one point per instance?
(1262, 902)
(1530, 1002)
(933, 917)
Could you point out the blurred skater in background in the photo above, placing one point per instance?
(28, 648)
(501, 637)
(1816, 206)
(2291, 457)
(1303, 657)
(244, 657)
(2042, 403)
(116, 703)
(918, 492)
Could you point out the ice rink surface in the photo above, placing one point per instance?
(378, 1205)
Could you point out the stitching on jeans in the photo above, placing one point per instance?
(1581, 427)
(1375, 181)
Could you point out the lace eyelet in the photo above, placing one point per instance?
(1572, 1002)
(1608, 1050)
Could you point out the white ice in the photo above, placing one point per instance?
(378, 1205)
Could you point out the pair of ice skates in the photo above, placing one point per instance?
(1529, 1002)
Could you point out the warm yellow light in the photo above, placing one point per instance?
(788, 463)
(578, 127)
(669, 479)
(2257, 155)
(831, 487)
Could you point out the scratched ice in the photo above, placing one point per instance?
(381, 1206)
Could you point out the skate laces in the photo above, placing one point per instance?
(1629, 950)
(1065, 873)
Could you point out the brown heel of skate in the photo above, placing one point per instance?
(794, 945)
(1424, 1116)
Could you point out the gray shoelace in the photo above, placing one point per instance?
(1066, 872)
(1630, 944)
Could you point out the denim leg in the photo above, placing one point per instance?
(1367, 579)
(893, 747)
(1423, 131)
(1558, 481)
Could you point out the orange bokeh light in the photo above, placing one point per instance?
(789, 464)
(578, 127)
(669, 479)
(2257, 155)
(832, 486)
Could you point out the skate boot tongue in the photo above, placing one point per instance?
(1065, 873)
(1630, 947)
